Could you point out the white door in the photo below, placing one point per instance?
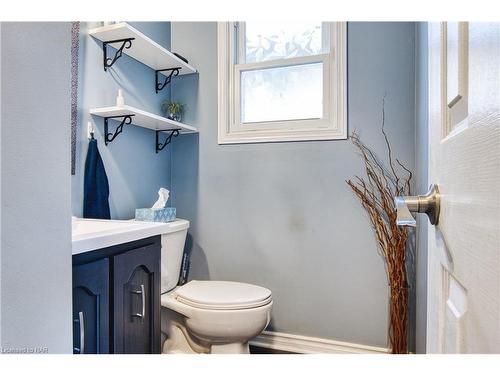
(463, 313)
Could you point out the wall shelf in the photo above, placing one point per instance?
(141, 48)
(134, 116)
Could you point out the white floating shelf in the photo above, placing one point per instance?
(143, 48)
(144, 119)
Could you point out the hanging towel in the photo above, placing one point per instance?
(95, 185)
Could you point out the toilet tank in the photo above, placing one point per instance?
(172, 249)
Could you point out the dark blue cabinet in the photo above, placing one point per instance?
(91, 308)
(116, 299)
(137, 301)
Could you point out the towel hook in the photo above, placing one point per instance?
(90, 130)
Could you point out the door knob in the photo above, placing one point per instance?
(426, 204)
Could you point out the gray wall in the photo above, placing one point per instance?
(281, 215)
(35, 192)
(422, 183)
(135, 172)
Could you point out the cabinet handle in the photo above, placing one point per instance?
(81, 324)
(143, 300)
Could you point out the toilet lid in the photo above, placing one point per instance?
(222, 295)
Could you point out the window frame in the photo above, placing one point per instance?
(332, 125)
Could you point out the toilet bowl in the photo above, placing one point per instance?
(207, 316)
(215, 316)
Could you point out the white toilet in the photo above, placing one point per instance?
(207, 316)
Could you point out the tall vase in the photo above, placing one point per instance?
(398, 318)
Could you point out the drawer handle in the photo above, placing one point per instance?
(143, 300)
(81, 323)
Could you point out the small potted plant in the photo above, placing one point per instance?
(173, 110)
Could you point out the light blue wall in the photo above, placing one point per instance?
(35, 193)
(281, 215)
(134, 170)
(422, 183)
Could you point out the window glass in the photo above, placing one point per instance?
(276, 40)
(284, 93)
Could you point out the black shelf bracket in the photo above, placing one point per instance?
(109, 137)
(173, 72)
(161, 146)
(108, 62)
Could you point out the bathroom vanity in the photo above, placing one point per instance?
(116, 288)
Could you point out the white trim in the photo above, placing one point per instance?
(223, 40)
(334, 122)
(279, 63)
(240, 28)
(311, 345)
(455, 112)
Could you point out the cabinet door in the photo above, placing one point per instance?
(137, 301)
(91, 308)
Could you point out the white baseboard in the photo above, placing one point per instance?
(311, 345)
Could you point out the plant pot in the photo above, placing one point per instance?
(174, 116)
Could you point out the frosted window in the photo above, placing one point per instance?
(284, 93)
(277, 40)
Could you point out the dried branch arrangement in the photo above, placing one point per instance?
(376, 192)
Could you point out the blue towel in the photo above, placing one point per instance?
(95, 185)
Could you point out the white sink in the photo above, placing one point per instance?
(93, 234)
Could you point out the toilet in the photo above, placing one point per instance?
(217, 317)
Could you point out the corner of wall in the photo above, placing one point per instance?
(421, 168)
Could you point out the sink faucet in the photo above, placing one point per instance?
(428, 204)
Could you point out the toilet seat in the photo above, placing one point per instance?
(222, 295)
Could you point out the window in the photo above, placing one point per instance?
(281, 81)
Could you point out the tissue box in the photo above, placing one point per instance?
(148, 214)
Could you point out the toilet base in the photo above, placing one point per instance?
(233, 348)
(177, 344)
(177, 340)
